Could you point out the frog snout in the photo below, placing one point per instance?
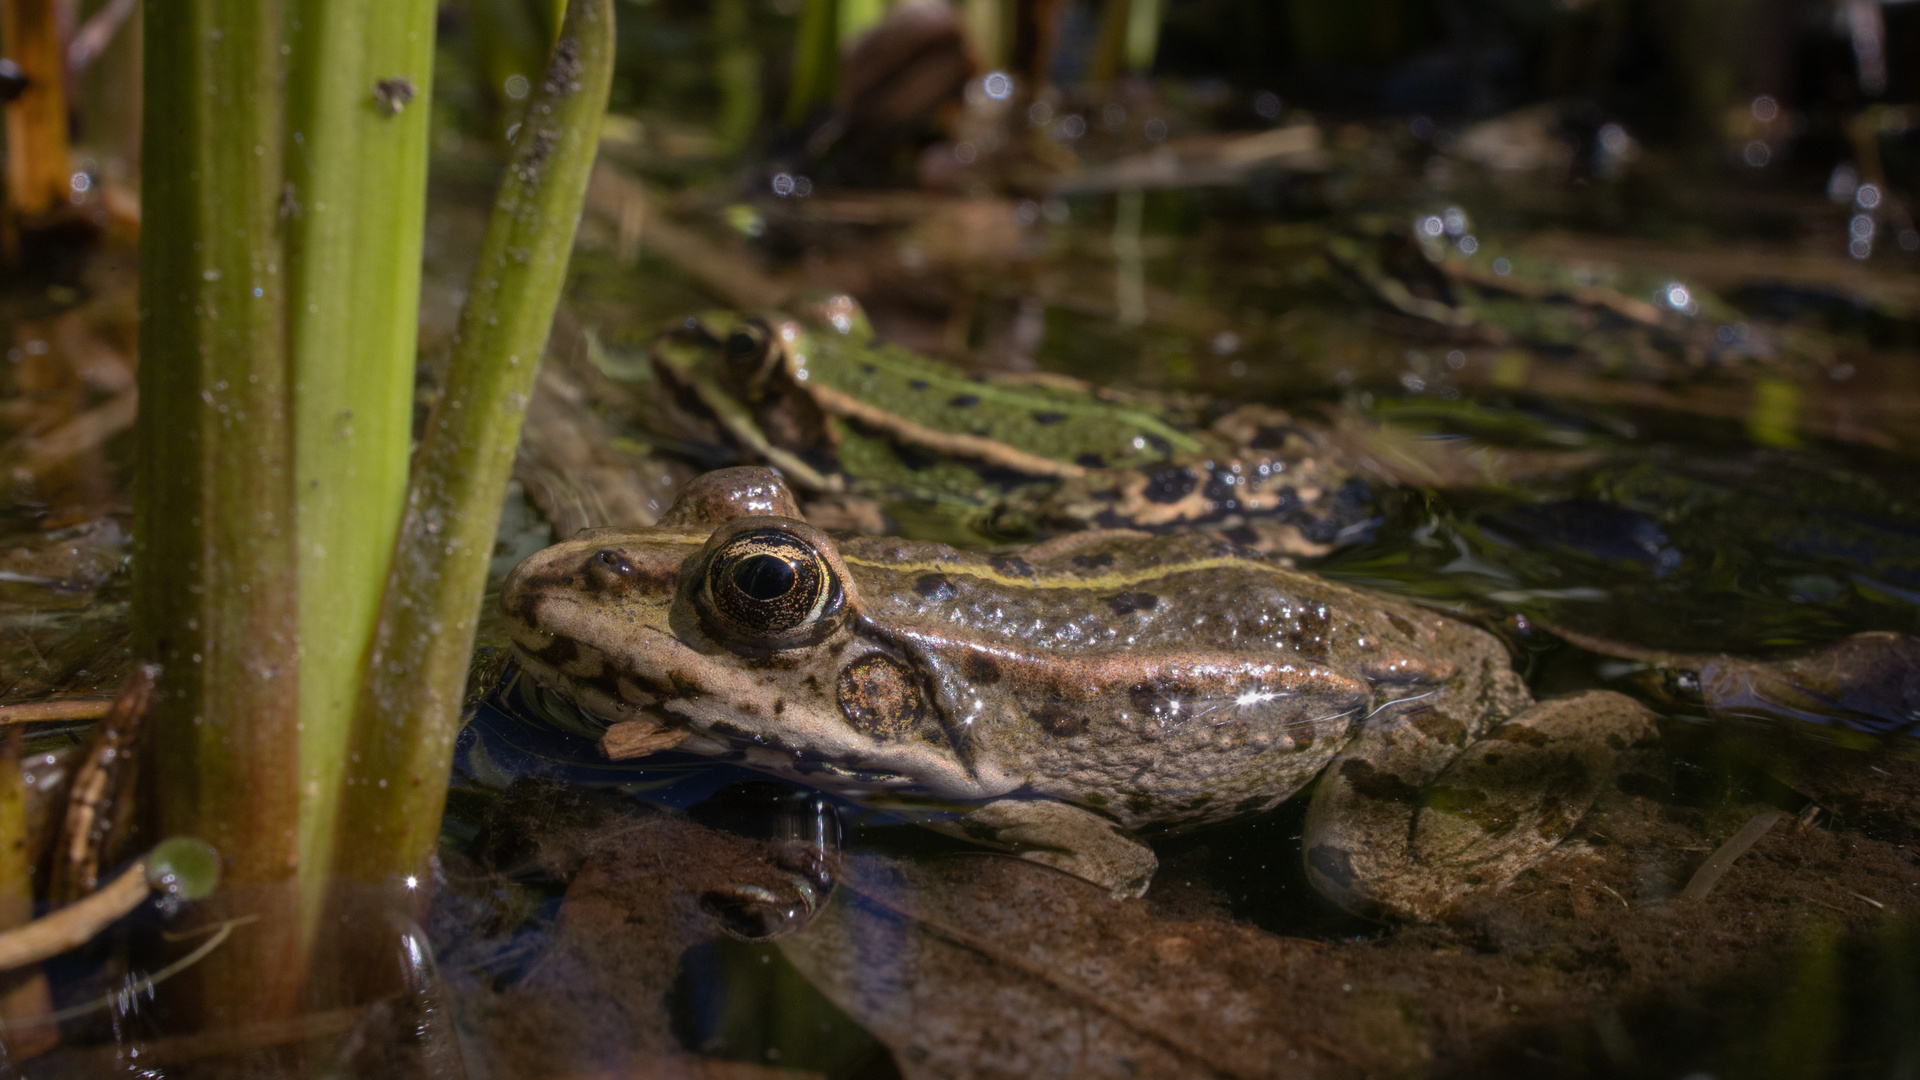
(587, 575)
(534, 577)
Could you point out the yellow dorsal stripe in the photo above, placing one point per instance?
(1117, 580)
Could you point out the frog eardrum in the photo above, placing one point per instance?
(770, 583)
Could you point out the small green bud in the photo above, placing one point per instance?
(184, 866)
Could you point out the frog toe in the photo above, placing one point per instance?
(1067, 838)
(1382, 889)
(1125, 878)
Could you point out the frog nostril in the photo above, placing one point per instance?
(613, 562)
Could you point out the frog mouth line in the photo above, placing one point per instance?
(769, 754)
(759, 754)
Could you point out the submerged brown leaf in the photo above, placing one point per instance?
(986, 966)
(586, 993)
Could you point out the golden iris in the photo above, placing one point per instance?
(768, 582)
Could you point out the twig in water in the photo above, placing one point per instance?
(40, 712)
(1710, 872)
(221, 932)
(77, 923)
(180, 866)
(1615, 895)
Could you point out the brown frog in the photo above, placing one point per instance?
(1058, 700)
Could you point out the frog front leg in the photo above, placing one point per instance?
(1063, 836)
(1404, 827)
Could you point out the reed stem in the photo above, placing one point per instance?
(737, 73)
(23, 992)
(816, 61)
(408, 712)
(214, 510)
(358, 77)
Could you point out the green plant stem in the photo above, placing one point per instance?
(857, 17)
(816, 60)
(409, 708)
(1111, 42)
(1143, 34)
(23, 993)
(985, 26)
(736, 70)
(511, 37)
(358, 76)
(213, 574)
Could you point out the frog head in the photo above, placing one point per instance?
(736, 621)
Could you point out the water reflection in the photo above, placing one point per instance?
(119, 1018)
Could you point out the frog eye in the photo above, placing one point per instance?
(748, 357)
(745, 342)
(769, 587)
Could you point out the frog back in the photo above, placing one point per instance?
(1165, 680)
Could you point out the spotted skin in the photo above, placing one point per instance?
(1152, 682)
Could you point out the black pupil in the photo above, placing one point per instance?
(763, 577)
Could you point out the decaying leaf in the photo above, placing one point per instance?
(564, 923)
(984, 966)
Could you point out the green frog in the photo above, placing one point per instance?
(836, 411)
(1060, 699)
(1624, 319)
